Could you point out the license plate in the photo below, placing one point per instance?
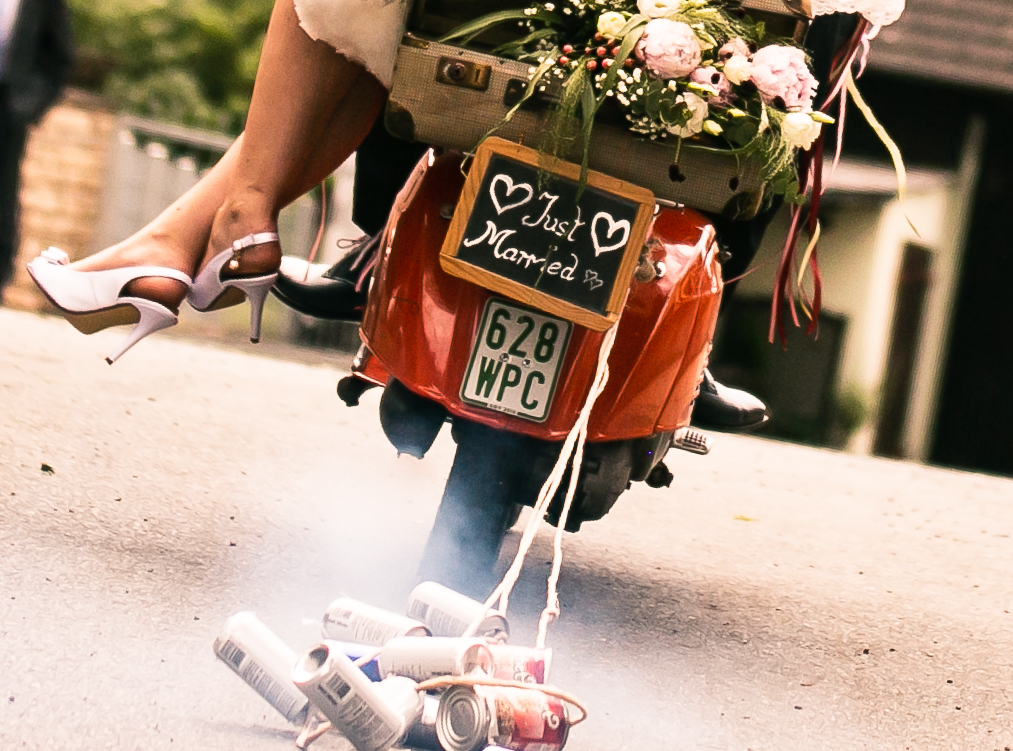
(515, 361)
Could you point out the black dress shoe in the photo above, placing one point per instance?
(328, 292)
(719, 407)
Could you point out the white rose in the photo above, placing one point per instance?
(800, 130)
(698, 114)
(659, 8)
(610, 24)
(737, 69)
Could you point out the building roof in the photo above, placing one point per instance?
(961, 41)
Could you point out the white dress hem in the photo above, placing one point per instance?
(367, 32)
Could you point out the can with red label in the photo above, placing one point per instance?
(470, 719)
(258, 656)
(449, 613)
(372, 716)
(422, 659)
(350, 620)
(516, 663)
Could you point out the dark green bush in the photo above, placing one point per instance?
(187, 61)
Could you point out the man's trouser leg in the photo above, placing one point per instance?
(12, 147)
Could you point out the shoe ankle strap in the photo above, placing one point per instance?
(257, 238)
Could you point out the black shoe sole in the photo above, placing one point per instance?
(713, 427)
(349, 316)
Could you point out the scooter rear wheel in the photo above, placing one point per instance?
(479, 505)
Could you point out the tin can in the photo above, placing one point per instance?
(349, 620)
(421, 734)
(422, 659)
(515, 663)
(372, 716)
(403, 695)
(264, 662)
(470, 719)
(449, 613)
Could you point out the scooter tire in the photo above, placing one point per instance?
(479, 505)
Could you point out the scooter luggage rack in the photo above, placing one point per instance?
(452, 97)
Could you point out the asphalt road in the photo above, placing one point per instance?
(774, 598)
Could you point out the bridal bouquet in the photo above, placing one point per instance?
(695, 73)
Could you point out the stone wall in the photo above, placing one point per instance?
(61, 186)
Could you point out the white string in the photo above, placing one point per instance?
(576, 435)
(551, 611)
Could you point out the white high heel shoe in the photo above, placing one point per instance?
(93, 300)
(211, 292)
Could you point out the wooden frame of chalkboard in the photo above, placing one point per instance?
(575, 269)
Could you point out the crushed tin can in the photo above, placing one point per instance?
(525, 664)
(470, 719)
(450, 613)
(372, 716)
(422, 659)
(348, 620)
(258, 656)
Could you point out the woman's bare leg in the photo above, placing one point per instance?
(299, 147)
(177, 237)
(305, 93)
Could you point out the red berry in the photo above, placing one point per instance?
(601, 52)
(587, 50)
(628, 62)
(599, 37)
(615, 51)
(607, 63)
(592, 64)
(564, 60)
(567, 48)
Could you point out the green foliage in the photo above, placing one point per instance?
(188, 61)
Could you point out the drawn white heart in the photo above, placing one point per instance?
(613, 227)
(510, 188)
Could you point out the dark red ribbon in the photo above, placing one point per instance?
(810, 168)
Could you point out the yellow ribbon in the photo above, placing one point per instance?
(898, 160)
(808, 252)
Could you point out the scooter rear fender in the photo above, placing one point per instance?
(420, 322)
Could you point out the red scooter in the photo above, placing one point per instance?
(433, 340)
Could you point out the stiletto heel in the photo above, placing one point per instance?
(256, 292)
(211, 292)
(92, 300)
(152, 317)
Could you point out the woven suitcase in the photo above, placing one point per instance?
(452, 96)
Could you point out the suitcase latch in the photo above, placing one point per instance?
(457, 72)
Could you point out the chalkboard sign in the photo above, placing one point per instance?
(519, 230)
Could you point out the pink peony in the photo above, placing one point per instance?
(669, 49)
(734, 47)
(716, 80)
(781, 73)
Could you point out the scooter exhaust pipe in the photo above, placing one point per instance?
(411, 422)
